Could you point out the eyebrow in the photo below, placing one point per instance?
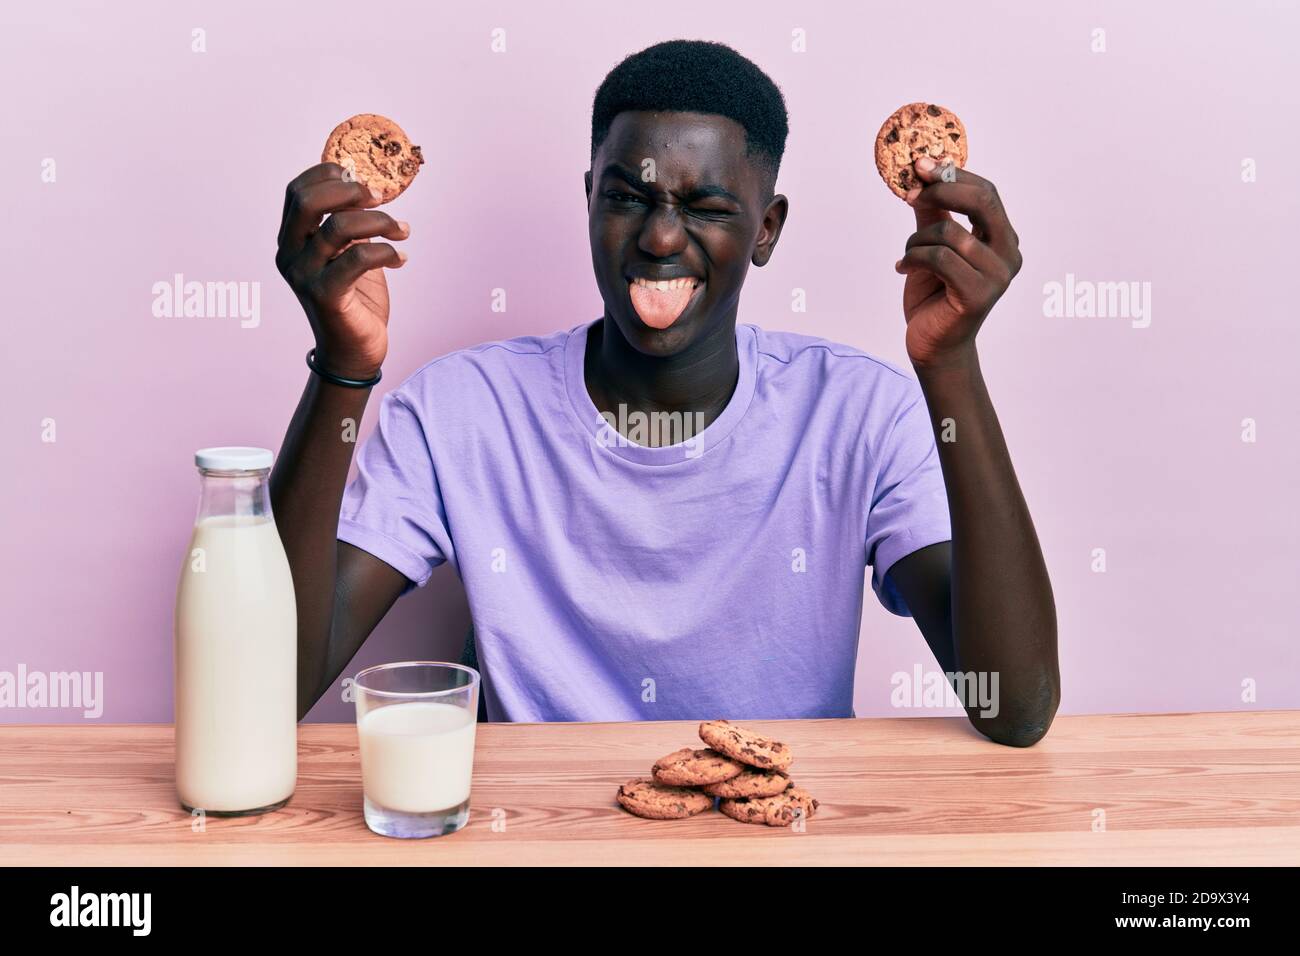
(703, 191)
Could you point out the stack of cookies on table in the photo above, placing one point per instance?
(746, 771)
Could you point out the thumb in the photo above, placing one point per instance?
(927, 214)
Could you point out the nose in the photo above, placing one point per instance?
(662, 234)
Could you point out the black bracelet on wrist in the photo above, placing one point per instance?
(338, 379)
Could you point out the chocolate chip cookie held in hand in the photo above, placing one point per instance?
(916, 130)
(333, 267)
(375, 152)
(954, 275)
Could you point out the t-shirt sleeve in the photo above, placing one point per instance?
(393, 508)
(909, 504)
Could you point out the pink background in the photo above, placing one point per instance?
(1120, 166)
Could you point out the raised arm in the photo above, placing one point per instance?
(337, 273)
(984, 602)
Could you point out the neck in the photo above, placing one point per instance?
(699, 380)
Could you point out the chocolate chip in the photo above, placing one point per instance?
(949, 125)
(893, 136)
(933, 110)
(954, 137)
(407, 167)
(392, 149)
(377, 143)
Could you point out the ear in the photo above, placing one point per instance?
(586, 178)
(770, 230)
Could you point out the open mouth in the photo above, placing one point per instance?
(660, 304)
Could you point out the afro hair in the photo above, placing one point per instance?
(696, 76)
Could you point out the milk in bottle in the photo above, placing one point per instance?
(236, 645)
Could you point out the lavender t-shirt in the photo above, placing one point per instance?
(721, 576)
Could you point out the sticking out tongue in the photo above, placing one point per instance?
(659, 309)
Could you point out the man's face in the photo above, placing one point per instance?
(695, 225)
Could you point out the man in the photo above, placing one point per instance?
(716, 571)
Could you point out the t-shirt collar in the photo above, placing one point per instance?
(608, 439)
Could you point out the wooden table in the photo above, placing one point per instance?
(1195, 789)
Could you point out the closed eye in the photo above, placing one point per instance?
(699, 212)
(710, 213)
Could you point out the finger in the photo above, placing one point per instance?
(952, 234)
(342, 228)
(312, 174)
(973, 197)
(980, 203)
(925, 215)
(983, 207)
(957, 274)
(309, 176)
(315, 174)
(340, 274)
(306, 204)
(930, 171)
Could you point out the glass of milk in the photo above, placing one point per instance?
(416, 722)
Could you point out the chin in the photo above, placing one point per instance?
(657, 343)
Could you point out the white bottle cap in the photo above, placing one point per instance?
(233, 458)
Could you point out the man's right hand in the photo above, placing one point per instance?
(336, 271)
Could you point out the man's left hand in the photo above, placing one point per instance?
(954, 274)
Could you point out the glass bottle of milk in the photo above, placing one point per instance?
(236, 645)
